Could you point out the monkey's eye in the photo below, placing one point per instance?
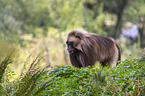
(69, 43)
(78, 37)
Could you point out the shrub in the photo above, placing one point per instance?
(125, 79)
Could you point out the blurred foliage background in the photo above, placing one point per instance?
(34, 26)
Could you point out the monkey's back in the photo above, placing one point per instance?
(104, 47)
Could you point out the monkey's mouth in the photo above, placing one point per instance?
(71, 51)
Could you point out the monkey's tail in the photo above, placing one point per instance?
(119, 52)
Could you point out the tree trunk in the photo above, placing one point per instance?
(142, 36)
(118, 25)
(119, 18)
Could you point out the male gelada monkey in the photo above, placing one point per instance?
(86, 48)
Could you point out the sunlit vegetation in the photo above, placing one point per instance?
(32, 43)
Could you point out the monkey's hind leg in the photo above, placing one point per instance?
(104, 63)
(113, 61)
(110, 62)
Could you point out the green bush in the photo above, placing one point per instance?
(125, 79)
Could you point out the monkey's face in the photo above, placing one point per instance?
(73, 44)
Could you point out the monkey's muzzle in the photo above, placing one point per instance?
(71, 51)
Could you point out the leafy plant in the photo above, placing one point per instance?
(30, 82)
(125, 79)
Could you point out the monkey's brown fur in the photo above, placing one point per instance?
(90, 47)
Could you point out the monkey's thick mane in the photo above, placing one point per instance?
(87, 54)
(92, 48)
